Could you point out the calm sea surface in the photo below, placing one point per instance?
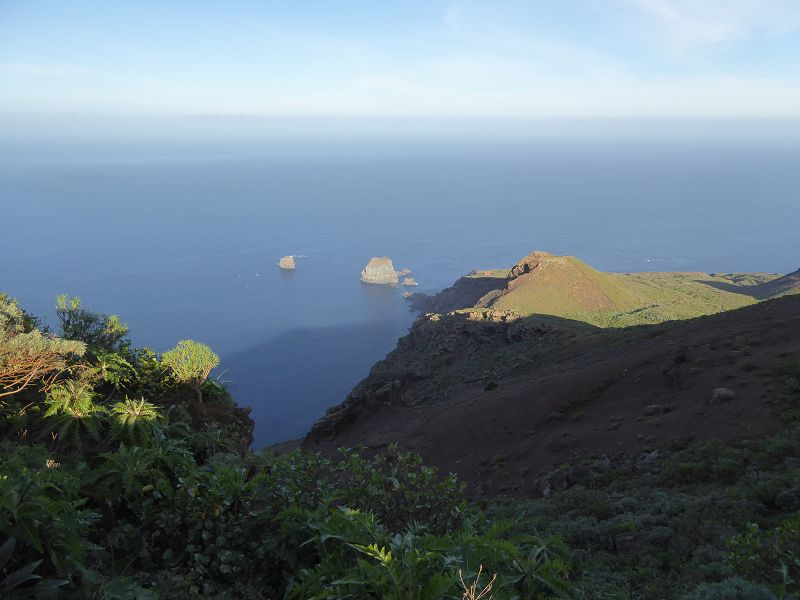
(182, 241)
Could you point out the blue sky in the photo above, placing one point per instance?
(410, 58)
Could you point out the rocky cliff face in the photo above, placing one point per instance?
(379, 270)
(528, 264)
(441, 354)
(471, 291)
(479, 289)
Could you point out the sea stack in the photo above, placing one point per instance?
(380, 270)
(409, 281)
(287, 262)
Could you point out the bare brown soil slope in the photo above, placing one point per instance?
(585, 393)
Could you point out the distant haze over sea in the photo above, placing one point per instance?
(176, 224)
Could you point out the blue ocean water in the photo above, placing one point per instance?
(181, 240)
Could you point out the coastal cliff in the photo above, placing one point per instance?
(497, 369)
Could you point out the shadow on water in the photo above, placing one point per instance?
(290, 380)
(287, 275)
(380, 299)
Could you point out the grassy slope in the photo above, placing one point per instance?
(493, 273)
(566, 286)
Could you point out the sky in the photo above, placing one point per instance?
(409, 58)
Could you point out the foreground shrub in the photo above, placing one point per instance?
(730, 589)
(362, 559)
(135, 420)
(42, 508)
(122, 489)
(190, 363)
(771, 557)
(72, 415)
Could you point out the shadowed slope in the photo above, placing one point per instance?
(592, 393)
(476, 289)
(782, 286)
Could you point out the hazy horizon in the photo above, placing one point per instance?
(46, 133)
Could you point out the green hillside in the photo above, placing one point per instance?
(567, 287)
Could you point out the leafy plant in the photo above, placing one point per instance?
(362, 559)
(126, 472)
(136, 419)
(771, 557)
(104, 333)
(24, 582)
(42, 508)
(114, 369)
(150, 379)
(191, 362)
(72, 413)
(400, 490)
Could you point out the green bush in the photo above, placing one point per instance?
(771, 557)
(362, 559)
(190, 363)
(119, 486)
(100, 333)
(136, 420)
(42, 508)
(709, 461)
(730, 589)
(72, 415)
(23, 582)
(209, 529)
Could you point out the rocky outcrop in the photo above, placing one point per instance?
(287, 262)
(379, 270)
(528, 264)
(409, 281)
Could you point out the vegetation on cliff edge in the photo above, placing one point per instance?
(116, 483)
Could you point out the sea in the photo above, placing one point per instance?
(179, 234)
